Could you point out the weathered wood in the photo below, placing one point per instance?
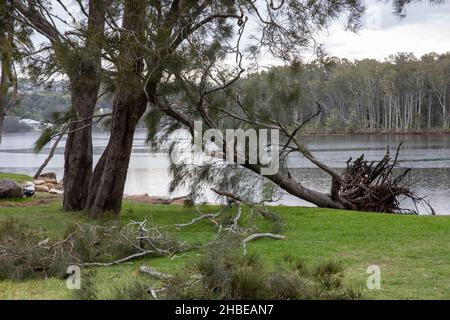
(154, 273)
(259, 236)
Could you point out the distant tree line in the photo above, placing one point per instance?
(40, 102)
(403, 93)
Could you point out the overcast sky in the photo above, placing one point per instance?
(425, 29)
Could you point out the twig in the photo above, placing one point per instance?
(107, 264)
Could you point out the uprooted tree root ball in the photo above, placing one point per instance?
(374, 186)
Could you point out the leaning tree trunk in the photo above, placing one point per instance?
(108, 181)
(49, 157)
(130, 101)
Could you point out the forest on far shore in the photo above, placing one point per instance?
(401, 94)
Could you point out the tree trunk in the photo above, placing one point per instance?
(294, 188)
(49, 157)
(78, 151)
(108, 181)
(85, 78)
(429, 111)
(2, 120)
(6, 59)
(4, 85)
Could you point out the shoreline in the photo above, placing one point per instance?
(320, 133)
(381, 133)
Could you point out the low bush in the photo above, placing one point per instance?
(224, 273)
(24, 255)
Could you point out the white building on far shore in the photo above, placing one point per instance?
(32, 123)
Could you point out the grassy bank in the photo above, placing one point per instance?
(412, 251)
(15, 176)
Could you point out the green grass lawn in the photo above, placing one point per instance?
(15, 176)
(413, 252)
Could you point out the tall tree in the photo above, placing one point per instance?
(76, 53)
(108, 181)
(14, 41)
(145, 39)
(174, 28)
(6, 31)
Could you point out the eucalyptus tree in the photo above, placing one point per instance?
(14, 42)
(74, 49)
(130, 101)
(6, 30)
(160, 42)
(439, 81)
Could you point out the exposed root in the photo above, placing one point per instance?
(373, 186)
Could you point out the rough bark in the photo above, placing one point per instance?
(78, 150)
(6, 26)
(108, 182)
(85, 78)
(2, 120)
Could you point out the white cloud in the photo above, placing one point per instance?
(425, 29)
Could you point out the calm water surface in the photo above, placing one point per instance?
(429, 155)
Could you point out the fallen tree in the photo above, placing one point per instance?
(25, 254)
(219, 104)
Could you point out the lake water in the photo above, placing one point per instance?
(429, 155)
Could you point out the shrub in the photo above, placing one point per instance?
(222, 273)
(23, 255)
(134, 291)
(88, 289)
